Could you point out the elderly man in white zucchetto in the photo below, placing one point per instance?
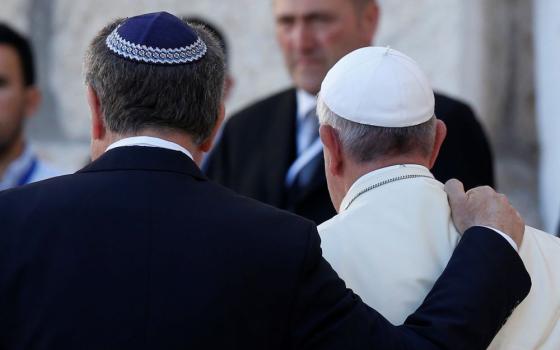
(393, 234)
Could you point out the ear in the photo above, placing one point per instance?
(441, 132)
(98, 129)
(33, 99)
(370, 18)
(332, 149)
(206, 146)
(229, 83)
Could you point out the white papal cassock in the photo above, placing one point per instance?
(394, 236)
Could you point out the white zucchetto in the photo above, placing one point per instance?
(378, 86)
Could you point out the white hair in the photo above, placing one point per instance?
(367, 142)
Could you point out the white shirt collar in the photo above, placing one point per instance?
(148, 141)
(305, 103)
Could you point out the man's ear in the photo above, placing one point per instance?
(370, 20)
(33, 99)
(441, 132)
(98, 129)
(229, 83)
(206, 146)
(332, 149)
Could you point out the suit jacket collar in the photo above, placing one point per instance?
(280, 145)
(144, 158)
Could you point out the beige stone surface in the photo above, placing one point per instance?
(15, 13)
(430, 32)
(547, 26)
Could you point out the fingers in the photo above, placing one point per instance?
(455, 191)
(483, 206)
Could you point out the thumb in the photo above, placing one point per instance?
(455, 192)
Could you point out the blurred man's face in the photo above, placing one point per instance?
(13, 96)
(315, 34)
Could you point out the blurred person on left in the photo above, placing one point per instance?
(19, 100)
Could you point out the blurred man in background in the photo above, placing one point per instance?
(271, 150)
(19, 100)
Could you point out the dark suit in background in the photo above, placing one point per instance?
(258, 146)
(139, 251)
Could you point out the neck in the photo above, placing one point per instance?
(11, 153)
(179, 138)
(353, 171)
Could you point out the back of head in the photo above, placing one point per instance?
(156, 71)
(380, 103)
(11, 38)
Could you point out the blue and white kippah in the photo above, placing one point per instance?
(158, 38)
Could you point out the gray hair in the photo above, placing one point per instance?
(364, 143)
(135, 96)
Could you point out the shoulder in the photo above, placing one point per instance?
(338, 238)
(330, 226)
(250, 213)
(54, 182)
(20, 203)
(277, 239)
(544, 243)
(242, 218)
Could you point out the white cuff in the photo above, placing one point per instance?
(508, 238)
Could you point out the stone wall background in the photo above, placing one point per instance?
(547, 33)
(479, 51)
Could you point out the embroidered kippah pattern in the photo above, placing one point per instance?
(143, 53)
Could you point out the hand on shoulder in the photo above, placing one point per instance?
(482, 206)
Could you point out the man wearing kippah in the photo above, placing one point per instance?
(394, 227)
(270, 151)
(138, 250)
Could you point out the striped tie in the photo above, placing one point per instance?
(308, 133)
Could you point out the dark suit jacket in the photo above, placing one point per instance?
(257, 146)
(139, 251)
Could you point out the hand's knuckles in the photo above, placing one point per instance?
(485, 190)
(502, 197)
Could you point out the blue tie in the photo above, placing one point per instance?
(308, 133)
